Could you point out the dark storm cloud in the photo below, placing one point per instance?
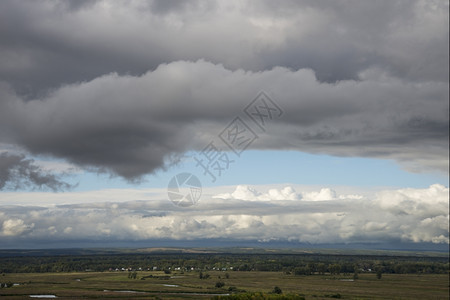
(132, 125)
(345, 37)
(17, 172)
(175, 6)
(127, 87)
(47, 43)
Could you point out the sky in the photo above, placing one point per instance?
(231, 123)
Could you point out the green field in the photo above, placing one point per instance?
(188, 285)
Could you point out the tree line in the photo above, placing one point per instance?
(297, 264)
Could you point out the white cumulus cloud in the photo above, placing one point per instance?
(247, 214)
(15, 227)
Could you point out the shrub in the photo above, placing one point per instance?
(277, 290)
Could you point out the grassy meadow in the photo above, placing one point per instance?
(188, 285)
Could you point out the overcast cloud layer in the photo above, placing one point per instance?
(126, 87)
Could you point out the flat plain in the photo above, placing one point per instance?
(188, 285)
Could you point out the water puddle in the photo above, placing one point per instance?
(125, 291)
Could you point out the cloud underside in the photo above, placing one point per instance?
(406, 215)
(127, 88)
(17, 172)
(133, 125)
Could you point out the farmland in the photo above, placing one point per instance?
(189, 285)
(222, 275)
